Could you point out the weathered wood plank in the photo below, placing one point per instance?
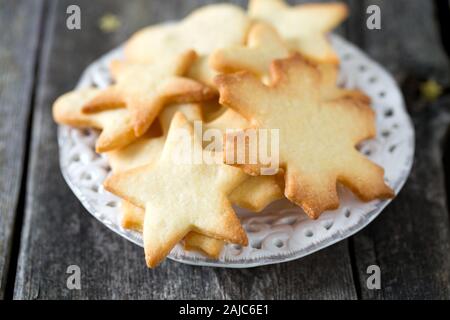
(58, 232)
(410, 240)
(19, 22)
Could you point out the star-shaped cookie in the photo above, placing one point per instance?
(115, 125)
(147, 150)
(264, 45)
(181, 197)
(133, 218)
(254, 194)
(317, 137)
(146, 88)
(203, 30)
(304, 26)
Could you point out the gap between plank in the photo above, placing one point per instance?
(20, 210)
(353, 31)
(354, 267)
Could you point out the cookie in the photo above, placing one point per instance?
(144, 150)
(256, 192)
(133, 218)
(146, 88)
(147, 150)
(209, 246)
(116, 125)
(138, 49)
(180, 198)
(211, 110)
(204, 30)
(202, 71)
(264, 45)
(303, 26)
(317, 136)
(330, 89)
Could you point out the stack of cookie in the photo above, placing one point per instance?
(270, 68)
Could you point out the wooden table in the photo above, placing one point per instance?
(44, 228)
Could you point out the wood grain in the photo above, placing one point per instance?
(58, 232)
(19, 25)
(410, 240)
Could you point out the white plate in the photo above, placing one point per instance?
(282, 232)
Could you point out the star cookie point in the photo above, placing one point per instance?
(115, 125)
(304, 26)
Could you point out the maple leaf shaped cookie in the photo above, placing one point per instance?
(304, 26)
(115, 125)
(179, 198)
(317, 137)
(146, 88)
(264, 45)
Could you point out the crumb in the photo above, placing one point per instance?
(109, 23)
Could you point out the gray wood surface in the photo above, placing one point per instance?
(19, 22)
(409, 241)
